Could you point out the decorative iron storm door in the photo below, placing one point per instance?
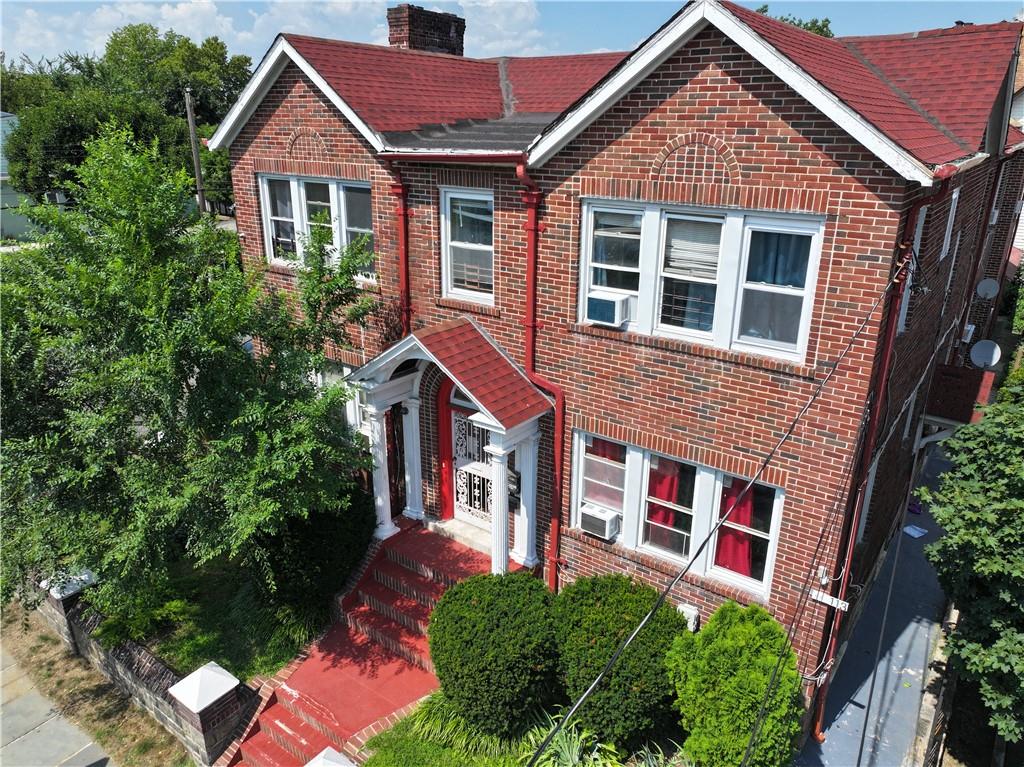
(472, 472)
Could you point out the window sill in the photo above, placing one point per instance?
(463, 305)
(664, 566)
(696, 349)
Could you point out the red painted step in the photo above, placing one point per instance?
(435, 556)
(407, 611)
(424, 590)
(399, 639)
(293, 734)
(261, 751)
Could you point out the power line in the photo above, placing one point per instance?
(663, 596)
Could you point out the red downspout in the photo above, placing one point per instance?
(897, 291)
(400, 191)
(532, 198)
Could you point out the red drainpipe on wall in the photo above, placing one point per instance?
(400, 192)
(897, 291)
(532, 198)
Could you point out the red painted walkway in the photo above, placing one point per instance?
(370, 666)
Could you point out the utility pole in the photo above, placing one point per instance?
(200, 192)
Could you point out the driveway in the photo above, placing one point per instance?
(32, 733)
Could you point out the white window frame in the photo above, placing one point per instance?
(922, 216)
(950, 220)
(339, 222)
(644, 315)
(806, 293)
(707, 494)
(447, 289)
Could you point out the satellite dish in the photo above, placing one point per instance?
(987, 288)
(985, 354)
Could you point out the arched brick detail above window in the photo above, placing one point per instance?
(306, 144)
(697, 158)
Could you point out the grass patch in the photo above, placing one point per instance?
(86, 697)
(401, 747)
(222, 618)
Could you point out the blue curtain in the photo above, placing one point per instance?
(777, 258)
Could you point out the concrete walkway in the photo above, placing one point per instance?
(32, 733)
(912, 628)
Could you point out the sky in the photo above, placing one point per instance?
(42, 28)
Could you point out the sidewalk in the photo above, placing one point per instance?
(913, 626)
(33, 734)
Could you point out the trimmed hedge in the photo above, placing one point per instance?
(492, 643)
(721, 675)
(592, 616)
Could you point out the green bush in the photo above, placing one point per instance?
(721, 675)
(592, 616)
(492, 643)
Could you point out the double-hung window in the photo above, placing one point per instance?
(467, 245)
(728, 279)
(666, 506)
(294, 207)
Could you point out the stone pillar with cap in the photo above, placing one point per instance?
(209, 706)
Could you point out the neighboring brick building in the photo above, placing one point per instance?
(709, 220)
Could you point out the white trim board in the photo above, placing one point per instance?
(280, 53)
(677, 33)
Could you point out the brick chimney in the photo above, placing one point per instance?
(410, 26)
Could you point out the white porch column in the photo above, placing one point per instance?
(381, 486)
(413, 478)
(498, 453)
(525, 551)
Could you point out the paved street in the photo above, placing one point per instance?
(33, 734)
(911, 631)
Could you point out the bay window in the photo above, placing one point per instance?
(729, 279)
(467, 244)
(293, 207)
(667, 506)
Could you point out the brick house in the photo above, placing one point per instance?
(614, 279)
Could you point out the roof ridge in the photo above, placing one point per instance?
(389, 48)
(904, 96)
(962, 29)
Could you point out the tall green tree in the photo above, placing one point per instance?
(818, 26)
(980, 558)
(138, 82)
(139, 429)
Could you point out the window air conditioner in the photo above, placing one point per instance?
(600, 522)
(609, 309)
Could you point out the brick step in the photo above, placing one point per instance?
(405, 610)
(435, 556)
(424, 590)
(313, 713)
(399, 639)
(293, 734)
(260, 750)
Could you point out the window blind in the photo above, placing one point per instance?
(691, 248)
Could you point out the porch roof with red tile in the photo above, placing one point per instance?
(477, 365)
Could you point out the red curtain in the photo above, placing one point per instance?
(611, 451)
(734, 550)
(663, 483)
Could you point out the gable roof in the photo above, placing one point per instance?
(477, 365)
(916, 101)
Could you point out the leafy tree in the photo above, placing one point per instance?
(818, 26)
(138, 430)
(980, 559)
(721, 677)
(138, 82)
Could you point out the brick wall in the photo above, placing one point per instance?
(710, 127)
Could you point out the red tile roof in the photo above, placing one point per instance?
(959, 97)
(551, 83)
(394, 89)
(480, 369)
(928, 92)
